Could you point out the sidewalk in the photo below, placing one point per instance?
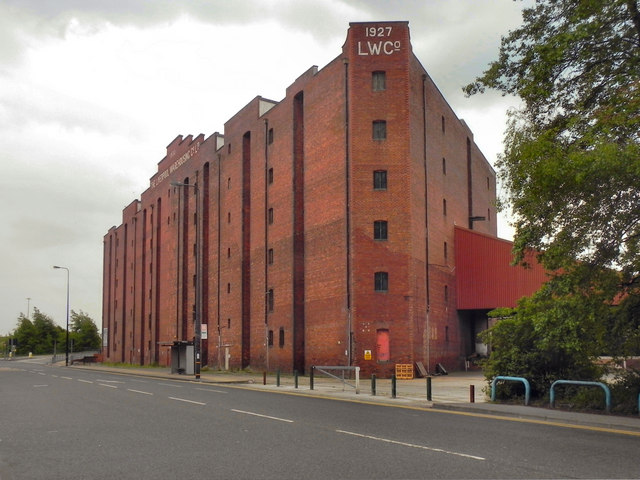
(450, 392)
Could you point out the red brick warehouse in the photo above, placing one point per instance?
(328, 227)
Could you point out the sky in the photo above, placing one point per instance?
(92, 92)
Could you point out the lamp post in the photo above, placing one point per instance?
(66, 358)
(198, 320)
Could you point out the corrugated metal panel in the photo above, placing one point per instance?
(484, 274)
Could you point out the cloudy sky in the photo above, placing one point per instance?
(92, 91)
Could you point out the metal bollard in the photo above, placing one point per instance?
(264, 378)
(472, 393)
(393, 386)
(295, 378)
(428, 389)
(373, 384)
(278, 377)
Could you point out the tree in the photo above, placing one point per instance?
(38, 336)
(84, 332)
(571, 163)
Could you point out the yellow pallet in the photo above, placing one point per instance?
(404, 371)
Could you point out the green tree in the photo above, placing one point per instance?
(84, 332)
(571, 171)
(38, 336)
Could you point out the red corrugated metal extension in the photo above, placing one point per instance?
(485, 277)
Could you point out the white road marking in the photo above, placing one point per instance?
(67, 378)
(211, 390)
(139, 391)
(107, 385)
(40, 373)
(84, 381)
(263, 416)
(185, 400)
(412, 445)
(170, 385)
(108, 381)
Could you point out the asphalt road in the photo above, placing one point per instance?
(58, 422)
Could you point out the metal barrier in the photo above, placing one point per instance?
(607, 392)
(527, 387)
(324, 368)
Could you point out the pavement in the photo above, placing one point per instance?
(464, 393)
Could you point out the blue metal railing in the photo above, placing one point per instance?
(527, 387)
(607, 392)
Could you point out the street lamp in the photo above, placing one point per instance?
(197, 341)
(66, 359)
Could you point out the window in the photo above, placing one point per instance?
(379, 130)
(488, 184)
(446, 252)
(443, 124)
(228, 323)
(446, 293)
(229, 148)
(228, 217)
(270, 256)
(488, 214)
(281, 337)
(228, 288)
(444, 166)
(270, 136)
(270, 216)
(270, 176)
(380, 180)
(379, 81)
(270, 338)
(380, 230)
(270, 300)
(446, 334)
(229, 252)
(229, 183)
(381, 281)
(444, 206)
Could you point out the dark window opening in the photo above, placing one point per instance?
(270, 216)
(380, 180)
(379, 130)
(270, 176)
(270, 338)
(270, 300)
(381, 280)
(270, 256)
(270, 136)
(281, 337)
(380, 230)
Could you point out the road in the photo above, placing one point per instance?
(61, 422)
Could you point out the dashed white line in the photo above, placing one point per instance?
(170, 385)
(107, 385)
(263, 416)
(67, 378)
(187, 401)
(412, 445)
(40, 373)
(211, 390)
(139, 391)
(84, 381)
